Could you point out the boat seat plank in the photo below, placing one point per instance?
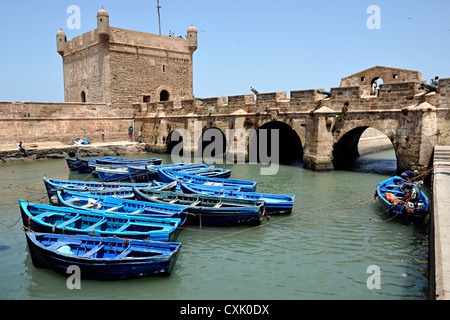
(115, 208)
(93, 250)
(193, 204)
(64, 224)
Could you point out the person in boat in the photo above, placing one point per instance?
(409, 175)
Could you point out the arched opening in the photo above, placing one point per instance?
(287, 142)
(365, 149)
(175, 139)
(83, 96)
(164, 95)
(212, 143)
(375, 85)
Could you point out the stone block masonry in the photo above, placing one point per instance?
(62, 122)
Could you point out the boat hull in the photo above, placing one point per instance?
(159, 262)
(242, 185)
(275, 204)
(228, 213)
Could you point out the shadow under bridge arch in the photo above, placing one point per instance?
(365, 142)
(276, 137)
(212, 143)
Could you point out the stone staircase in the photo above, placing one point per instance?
(442, 155)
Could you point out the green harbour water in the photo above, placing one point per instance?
(322, 250)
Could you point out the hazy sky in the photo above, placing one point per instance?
(273, 46)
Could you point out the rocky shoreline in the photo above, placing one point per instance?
(61, 151)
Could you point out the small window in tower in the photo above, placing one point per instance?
(396, 76)
(83, 96)
(164, 68)
(363, 79)
(146, 99)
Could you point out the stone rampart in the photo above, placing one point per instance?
(34, 122)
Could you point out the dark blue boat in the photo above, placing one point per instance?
(102, 258)
(208, 210)
(149, 161)
(63, 220)
(275, 204)
(82, 165)
(89, 201)
(115, 189)
(170, 176)
(405, 202)
(144, 173)
(113, 174)
(204, 171)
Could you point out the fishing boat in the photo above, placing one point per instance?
(113, 174)
(149, 161)
(83, 164)
(142, 173)
(170, 176)
(102, 258)
(93, 165)
(402, 201)
(208, 210)
(64, 220)
(72, 164)
(117, 189)
(89, 201)
(275, 204)
(210, 171)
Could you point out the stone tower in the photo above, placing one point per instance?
(121, 67)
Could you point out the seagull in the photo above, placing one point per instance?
(254, 90)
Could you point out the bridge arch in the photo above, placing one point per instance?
(212, 143)
(173, 139)
(289, 143)
(346, 150)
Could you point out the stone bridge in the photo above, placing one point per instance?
(321, 127)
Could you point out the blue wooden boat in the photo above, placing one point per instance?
(170, 176)
(89, 201)
(149, 161)
(143, 173)
(402, 201)
(83, 164)
(93, 165)
(275, 204)
(208, 210)
(122, 190)
(102, 258)
(79, 164)
(205, 171)
(63, 220)
(113, 174)
(72, 164)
